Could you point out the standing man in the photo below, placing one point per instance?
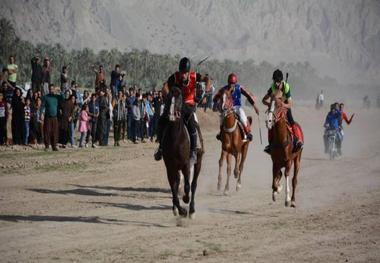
(119, 116)
(50, 110)
(12, 71)
(115, 78)
(93, 109)
(36, 74)
(186, 80)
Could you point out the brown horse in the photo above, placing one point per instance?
(176, 155)
(282, 152)
(232, 145)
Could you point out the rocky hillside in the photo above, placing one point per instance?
(336, 36)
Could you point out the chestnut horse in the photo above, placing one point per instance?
(176, 155)
(232, 145)
(282, 152)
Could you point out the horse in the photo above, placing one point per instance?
(282, 154)
(176, 155)
(232, 145)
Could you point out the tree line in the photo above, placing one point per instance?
(147, 70)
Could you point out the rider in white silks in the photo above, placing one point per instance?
(234, 102)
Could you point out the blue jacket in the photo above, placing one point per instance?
(332, 120)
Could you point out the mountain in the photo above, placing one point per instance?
(340, 38)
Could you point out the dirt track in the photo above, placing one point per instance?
(113, 204)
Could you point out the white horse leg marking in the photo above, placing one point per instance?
(287, 191)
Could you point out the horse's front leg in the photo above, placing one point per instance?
(174, 179)
(229, 170)
(186, 177)
(197, 169)
(223, 156)
(287, 184)
(276, 171)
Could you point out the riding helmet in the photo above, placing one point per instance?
(232, 78)
(184, 64)
(277, 75)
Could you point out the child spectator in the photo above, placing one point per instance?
(27, 114)
(83, 124)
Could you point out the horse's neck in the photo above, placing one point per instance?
(280, 134)
(229, 121)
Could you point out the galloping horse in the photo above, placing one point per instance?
(232, 145)
(282, 151)
(176, 155)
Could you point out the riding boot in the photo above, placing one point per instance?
(268, 148)
(248, 133)
(298, 136)
(193, 148)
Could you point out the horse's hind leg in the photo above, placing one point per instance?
(186, 177)
(197, 169)
(241, 166)
(173, 178)
(223, 156)
(229, 170)
(237, 165)
(297, 164)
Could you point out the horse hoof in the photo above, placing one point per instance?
(226, 192)
(236, 175)
(274, 196)
(219, 187)
(183, 212)
(238, 186)
(287, 203)
(293, 204)
(279, 189)
(192, 215)
(186, 199)
(175, 211)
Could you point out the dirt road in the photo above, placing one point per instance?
(114, 205)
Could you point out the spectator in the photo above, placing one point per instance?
(36, 73)
(120, 115)
(27, 113)
(3, 119)
(12, 71)
(100, 79)
(64, 79)
(102, 119)
(136, 118)
(37, 122)
(130, 101)
(45, 76)
(150, 116)
(50, 108)
(93, 108)
(115, 80)
(17, 117)
(66, 110)
(83, 124)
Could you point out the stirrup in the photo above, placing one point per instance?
(267, 149)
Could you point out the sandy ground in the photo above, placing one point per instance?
(114, 205)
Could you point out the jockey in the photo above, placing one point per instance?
(280, 84)
(332, 122)
(186, 80)
(236, 90)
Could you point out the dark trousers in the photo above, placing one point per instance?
(51, 132)
(135, 129)
(17, 130)
(117, 129)
(130, 127)
(92, 132)
(3, 130)
(101, 128)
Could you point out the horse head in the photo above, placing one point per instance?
(175, 104)
(275, 112)
(229, 120)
